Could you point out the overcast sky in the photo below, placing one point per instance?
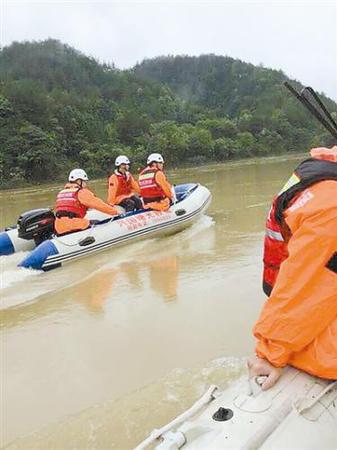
(299, 37)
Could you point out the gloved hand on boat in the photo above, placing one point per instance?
(259, 367)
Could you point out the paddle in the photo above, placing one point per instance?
(314, 104)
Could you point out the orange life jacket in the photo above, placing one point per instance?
(149, 189)
(308, 173)
(124, 184)
(67, 203)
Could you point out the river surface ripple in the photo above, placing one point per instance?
(98, 353)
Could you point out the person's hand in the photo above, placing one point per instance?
(261, 367)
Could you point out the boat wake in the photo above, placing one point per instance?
(11, 274)
(20, 286)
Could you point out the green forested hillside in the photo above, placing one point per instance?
(60, 109)
(225, 85)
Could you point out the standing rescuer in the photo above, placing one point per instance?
(298, 323)
(123, 189)
(156, 191)
(73, 202)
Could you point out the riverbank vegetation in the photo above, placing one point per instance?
(60, 109)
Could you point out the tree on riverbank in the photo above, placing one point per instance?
(60, 109)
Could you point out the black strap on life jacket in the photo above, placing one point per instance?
(310, 172)
(332, 263)
(69, 214)
(152, 199)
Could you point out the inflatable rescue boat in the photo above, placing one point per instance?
(34, 231)
(299, 412)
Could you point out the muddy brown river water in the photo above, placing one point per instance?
(101, 351)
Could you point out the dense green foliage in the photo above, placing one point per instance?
(60, 109)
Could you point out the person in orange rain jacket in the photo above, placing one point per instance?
(298, 323)
(123, 188)
(73, 202)
(155, 190)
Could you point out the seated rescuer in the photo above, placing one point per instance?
(298, 323)
(73, 202)
(123, 188)
(154, 187)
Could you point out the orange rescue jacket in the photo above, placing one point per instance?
(120, 187)
(67, 203)
(298, 323)
(154, 186)
(318, 168)
(66, 223)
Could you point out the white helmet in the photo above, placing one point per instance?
(78, 174)
(155, 157)
(121, 159)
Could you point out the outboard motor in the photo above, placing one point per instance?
(37, 224)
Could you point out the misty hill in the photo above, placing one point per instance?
(60, 109)
(226, 86)
(223, 84)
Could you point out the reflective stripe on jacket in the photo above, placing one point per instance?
(76, 220)
(308, 173)
(149, 188)
(68, 204)
(298, 323)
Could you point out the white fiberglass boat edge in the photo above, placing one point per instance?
(299, 412)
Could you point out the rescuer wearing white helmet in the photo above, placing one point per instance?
(155, 190)
(123, 189)
(73, 201)
(78, 174)
(155, 158)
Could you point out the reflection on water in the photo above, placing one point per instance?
(92, 349)
(92, 280)
(167, 289)
(95, 290)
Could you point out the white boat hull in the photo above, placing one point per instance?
(112, 232)
(299, 412)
